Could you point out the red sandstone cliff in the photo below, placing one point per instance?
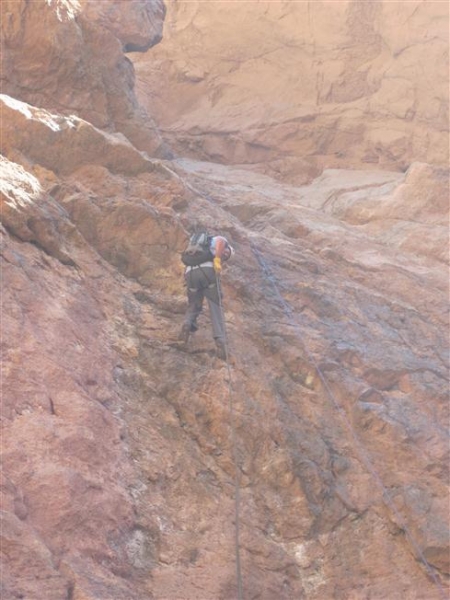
(66, 56)
(119, 448)
(291, 87)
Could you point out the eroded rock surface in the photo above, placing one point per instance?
(118, 444)
(137, 24)
(293, 87)
(67, 56)
(120, 448)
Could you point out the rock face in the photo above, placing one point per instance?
(137, 24)
(64, 55)
(295, 87)
(128, 459)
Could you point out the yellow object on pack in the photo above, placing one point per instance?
(217, 264)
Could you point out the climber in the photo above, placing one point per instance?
(203, 259)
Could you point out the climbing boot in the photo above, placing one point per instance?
(220, 350)
(185, 333)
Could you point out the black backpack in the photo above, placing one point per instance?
(197, 250)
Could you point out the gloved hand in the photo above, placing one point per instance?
(217, 264)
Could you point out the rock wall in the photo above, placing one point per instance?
(120, 448)
(64, 55)
(294, 87)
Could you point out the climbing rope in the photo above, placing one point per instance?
(363, 455)
(237, 494)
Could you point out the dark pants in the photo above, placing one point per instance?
(201, 282)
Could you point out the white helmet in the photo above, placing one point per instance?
(228, 252)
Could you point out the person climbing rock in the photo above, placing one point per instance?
(203, 259)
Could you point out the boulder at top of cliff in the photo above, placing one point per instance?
(137, 24)
(58, 57)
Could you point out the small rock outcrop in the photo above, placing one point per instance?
(66, 56)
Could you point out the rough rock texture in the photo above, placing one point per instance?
(294, 87)
(65, 55)
(117, 445)
(137, 24)
(121, 449)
